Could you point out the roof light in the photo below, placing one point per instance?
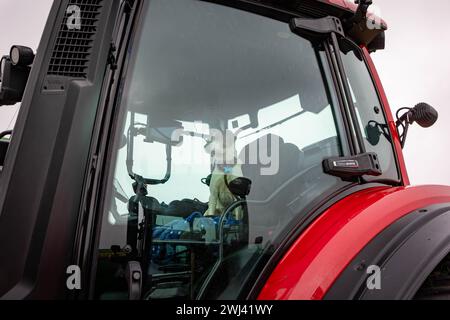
(21, 56)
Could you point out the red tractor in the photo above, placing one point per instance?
(222, 149)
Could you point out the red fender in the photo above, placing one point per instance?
(326, 248)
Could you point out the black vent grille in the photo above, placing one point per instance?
(320, 9)
(73, 47)
(312, 7)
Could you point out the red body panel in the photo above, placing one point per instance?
(326, 248)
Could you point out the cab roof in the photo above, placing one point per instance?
(350, 6)
(364, 33)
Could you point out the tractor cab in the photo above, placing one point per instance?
(216, 96)
(176, 161)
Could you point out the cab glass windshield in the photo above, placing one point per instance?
(225, 119)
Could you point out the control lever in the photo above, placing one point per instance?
(133, 275)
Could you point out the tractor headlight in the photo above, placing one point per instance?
(21, 56)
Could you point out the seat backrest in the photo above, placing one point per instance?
(289, 164)
(265, 218)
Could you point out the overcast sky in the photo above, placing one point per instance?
(414, 68)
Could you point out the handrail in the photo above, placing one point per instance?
(6, 133)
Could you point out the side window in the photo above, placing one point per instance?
(371, 118)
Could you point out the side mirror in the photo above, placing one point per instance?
(423, 114)
(166, 132)
(166, 135)
(14, 72)
(4, 145)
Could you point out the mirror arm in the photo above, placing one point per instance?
(404, 122)
(404, 135)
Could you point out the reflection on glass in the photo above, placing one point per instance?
(250, 117)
